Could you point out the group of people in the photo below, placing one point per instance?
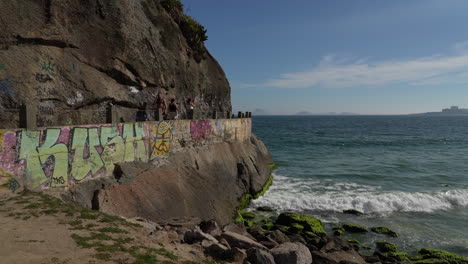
(171, 112)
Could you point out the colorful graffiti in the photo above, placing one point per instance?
(8, 181)
(56, 157)
(200, 129)
(63, 156)
(161, 143)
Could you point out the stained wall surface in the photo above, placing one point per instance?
(59, 157)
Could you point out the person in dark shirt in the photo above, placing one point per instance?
(173, 108)
(141, 115)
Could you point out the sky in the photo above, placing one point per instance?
(321, 56)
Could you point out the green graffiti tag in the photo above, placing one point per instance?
(85, 163)
(2, 66)
(113, 147)
(134, 142)
(50, 155)
(47, 67)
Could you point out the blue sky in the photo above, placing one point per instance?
(360, 56)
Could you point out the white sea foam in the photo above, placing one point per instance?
(302, 194)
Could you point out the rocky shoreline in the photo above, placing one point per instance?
(293, 238)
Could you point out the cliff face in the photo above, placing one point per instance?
(63, 56)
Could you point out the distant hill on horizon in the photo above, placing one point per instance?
(329, 113)
(453, 110)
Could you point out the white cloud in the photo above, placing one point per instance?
(340, 73)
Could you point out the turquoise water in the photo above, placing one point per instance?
(409, 173)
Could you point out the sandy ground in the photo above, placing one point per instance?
(39, 229)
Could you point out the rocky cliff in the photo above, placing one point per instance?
(203, 182)
(71, 59)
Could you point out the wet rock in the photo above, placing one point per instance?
(384, 230)
(259, 256)
(338, 231)
(265, 209)
(427, 255)
(310, 224)
(240, 241)
(292, 253)
(331, 244)
(352, 228)
(353, 212)
(383, 246)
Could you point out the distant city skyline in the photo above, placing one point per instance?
(362, 56)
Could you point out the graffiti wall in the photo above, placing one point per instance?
(61, 156)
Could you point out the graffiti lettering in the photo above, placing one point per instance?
(162, 140)
(47, 66)
(43, 162)
(2, 67)
(60, 157)
(58, 181)
(200, 129)
(86, 160)
(13, 185)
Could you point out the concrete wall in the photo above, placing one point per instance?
(59, 157)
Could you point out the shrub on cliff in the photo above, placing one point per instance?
(194, 32)
(171, 5)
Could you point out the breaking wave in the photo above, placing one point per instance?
(326, 195)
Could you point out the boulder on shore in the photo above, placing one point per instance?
(292, 253)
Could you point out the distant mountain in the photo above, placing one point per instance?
(304, 113)
(329, 113)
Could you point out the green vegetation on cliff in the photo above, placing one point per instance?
(194, 32)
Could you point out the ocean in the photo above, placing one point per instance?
(408, 173)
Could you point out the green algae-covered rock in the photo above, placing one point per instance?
(248, 215)
(384, 247)
(432, 256)
(358, 244)
(384, 230)
(296, 228)
(353, 212)
(267, 226)
(339, 231)
(355, 228)
(310, 224)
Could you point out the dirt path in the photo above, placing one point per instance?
(36, 228)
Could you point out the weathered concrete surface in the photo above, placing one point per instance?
(203, 181)
(60, 157)
(67, 55)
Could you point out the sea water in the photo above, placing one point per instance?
(408, 173)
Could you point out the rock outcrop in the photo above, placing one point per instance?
(70, 59)
(203, 182)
